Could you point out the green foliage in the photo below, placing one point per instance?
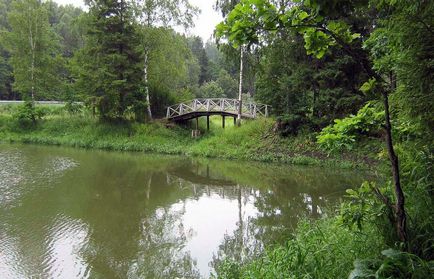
(393, 264)
(401, 49)
(343, 134)
(249, 19)
(73, 107)
(318, 249)
(108, 67)
(27, 114)
(365, 206)
(228, 84)
(34, 48)
(211, 90)
(293, 124)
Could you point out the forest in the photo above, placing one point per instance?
(350, 83)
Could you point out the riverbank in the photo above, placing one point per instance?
(254, 140)
(351, 238)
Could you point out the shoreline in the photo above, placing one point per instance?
(243, 144)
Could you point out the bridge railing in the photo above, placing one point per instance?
(248, 109)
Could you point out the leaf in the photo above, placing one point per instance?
(391, 253)
(362, 270)
(368, 86)
(303, 15)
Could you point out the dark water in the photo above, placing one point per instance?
(67, 213)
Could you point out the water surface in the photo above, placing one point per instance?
(68, 213)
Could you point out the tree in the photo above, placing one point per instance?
(65, 22)
(227, 83)
(173, 68)
(211, 90)
(322, 25)
(198, 50)
(402, 51)
(294, 83)
(33, 48)
(225, 6)
(165, 13)
(6, 77)
(108, 67)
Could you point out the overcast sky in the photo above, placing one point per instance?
(204, 23)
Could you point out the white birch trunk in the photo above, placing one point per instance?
(32, 63)
(145, 78)
(240, 88)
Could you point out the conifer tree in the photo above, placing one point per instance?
(108, 68)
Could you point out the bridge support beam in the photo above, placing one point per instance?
(223, 121)
(207, 122)
(235, 120)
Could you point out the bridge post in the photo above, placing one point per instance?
(235, 120)
(223, 121)
(207, 122)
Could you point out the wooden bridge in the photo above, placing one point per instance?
(207, 107)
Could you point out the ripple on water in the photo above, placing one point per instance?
(15, 172)
(11, 175)
(65, 238)
(56, 167)
(9, 257)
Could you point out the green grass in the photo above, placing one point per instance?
(318, 249)
(254, 140)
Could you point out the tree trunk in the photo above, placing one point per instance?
(32, 64)
(145, 79)
(240, 88)
(400, 216)
(399, 209)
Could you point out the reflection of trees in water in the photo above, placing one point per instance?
(127, 204)
(143, 237)
(161, 253)
(281, 197)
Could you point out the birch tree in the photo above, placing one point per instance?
(33, 47)
(166, 13)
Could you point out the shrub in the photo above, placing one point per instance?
(73, 107)
(293, 124)
(393, 264)
(27, 114)
(344, 132)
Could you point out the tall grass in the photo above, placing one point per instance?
(319, 249)
(254, 140)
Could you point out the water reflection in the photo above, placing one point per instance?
(68, 213)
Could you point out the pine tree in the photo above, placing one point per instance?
(108, 67)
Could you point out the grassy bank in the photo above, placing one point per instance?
(353, 241)
(254, 140)
(356, 240)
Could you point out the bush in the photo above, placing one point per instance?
(344, 133)
(73, 107)
(393, 264)
(27, 114)
(292, 124)
(319, 249)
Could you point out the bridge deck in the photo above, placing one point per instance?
(205, 107)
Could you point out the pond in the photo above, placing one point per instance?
(71, 213)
